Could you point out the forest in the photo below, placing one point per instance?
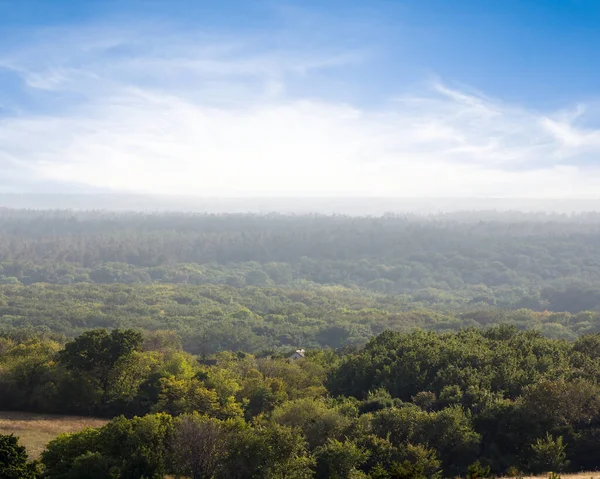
(509, 260)
(408, 405)
(463, 344)
(262, 282)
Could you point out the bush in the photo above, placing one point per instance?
(478, 471)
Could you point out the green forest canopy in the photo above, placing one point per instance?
(261, 282)
(464, 344)
(417, 405)
(511, 260)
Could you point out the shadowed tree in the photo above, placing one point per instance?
(97, 353)
(13, 459)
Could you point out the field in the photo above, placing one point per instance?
(578, 475)
(36, 430)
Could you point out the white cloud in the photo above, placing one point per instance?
(179, 114)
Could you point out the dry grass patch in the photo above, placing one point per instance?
(578, 475)
(37, 430)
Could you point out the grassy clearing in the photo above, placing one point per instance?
(36, 430)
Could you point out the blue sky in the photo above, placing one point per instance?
(263, 98)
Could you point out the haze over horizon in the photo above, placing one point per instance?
(528, 208)
(244, 99)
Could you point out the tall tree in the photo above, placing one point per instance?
(199, 445)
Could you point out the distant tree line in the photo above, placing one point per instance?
(510, 261)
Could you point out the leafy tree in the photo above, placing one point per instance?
(96, 356)
(417, 462)
(139, 445)
(124, 448)
(99, 350)
(285, 452)
(314, 418)
(13, 459)
(92, 465)
(265, 451)
(61, 454)
(339, 460)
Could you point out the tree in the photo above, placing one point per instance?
(199, 445)
(92, 465)
(138, 445)
(99, 351)
(97, 354)
(61, 453)
(339, 460)
(315, 419)
(124, 448)
(450, 432)
(284, 452)
(13, 459)
(179, 396)
(548, 455)
(264, 451)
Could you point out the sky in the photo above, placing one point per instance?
(245, 98)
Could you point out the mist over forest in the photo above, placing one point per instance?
(352, 206)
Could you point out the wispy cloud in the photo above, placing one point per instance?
(180, 113)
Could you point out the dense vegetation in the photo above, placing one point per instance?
(451, 345)
(537, 262)
(212, 318)
(253, 283)
(408, 405)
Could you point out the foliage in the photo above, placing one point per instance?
(436, 347)
(412, 405)
(339, 460)
(478, 471)
(13, 459)
(417, 462)
(541, 262)
(198, 445)
(549, 454)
